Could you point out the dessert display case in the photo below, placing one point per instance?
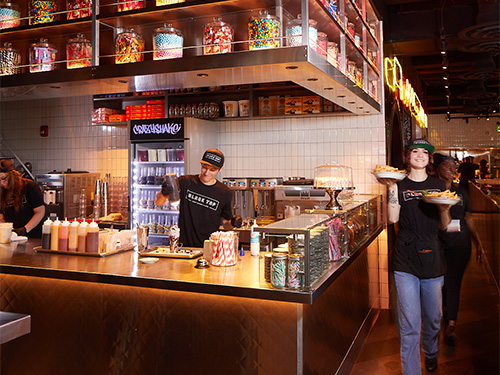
(318, 240)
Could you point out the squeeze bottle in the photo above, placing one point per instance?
(46, 234)
(54, 235)
(254, 240)
(73, 236)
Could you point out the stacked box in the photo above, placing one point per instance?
(265, 106)
(155, 111)
(311, 104)
(136, 112)
(293, 105)
(117, 118)
(101, 115)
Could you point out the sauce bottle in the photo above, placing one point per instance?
(63, 235)
(82, 237)
(73, 236)
(46, 234)
(93, 238)
(254, 240)
(54, 235)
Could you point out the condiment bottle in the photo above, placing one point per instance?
(63, 235)
(73, 236)
(46, 234)
(254, 240)
(54, 235)
(82, 237)
(93, 238)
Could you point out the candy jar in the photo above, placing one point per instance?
(42, 11)
(42, 56)
(217, 37)
(129, 47)
(332, 50)
(78, 52)
(167, 43)
(10, 16)
(10, 59)
(294, 32)
(125, 5)
(78, 8)
(350, 29)
(168, 2)
(264, 31)
(322, 44)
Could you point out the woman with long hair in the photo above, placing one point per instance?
(21, 202)
(417, 258)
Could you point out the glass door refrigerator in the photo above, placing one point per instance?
(159, 147)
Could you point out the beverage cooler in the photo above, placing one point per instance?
(159, 147)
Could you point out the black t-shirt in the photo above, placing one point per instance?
(467, 172)
(32, 198)
(417, 249)
(201, 209)
(460, 239)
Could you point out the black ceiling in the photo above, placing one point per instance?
(468, 31)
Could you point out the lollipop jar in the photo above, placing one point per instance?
(129, 47)
(42, 56)
(42, 11)
(78, 52)
(294, 32)
(78, 9)
(10, 59)
(10, 15)
(264, 31)
(167, 43)
(217, 37)
(126, 5)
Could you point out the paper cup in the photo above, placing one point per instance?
(230, 108)
(5, 232)
(244, 107)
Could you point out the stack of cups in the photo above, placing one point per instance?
(5, 232)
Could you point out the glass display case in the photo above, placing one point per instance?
(307, 246)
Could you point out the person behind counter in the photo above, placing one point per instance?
(456, 240)
(205, 203)
(467, 171)
(21, 202)
(417, 257)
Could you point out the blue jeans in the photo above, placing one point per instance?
(419, 305)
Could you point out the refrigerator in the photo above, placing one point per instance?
(158, 147)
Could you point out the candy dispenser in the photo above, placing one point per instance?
(129, 47)
(78, 8)
(10, 16)
(167, 43)
(264, 31)
(126, 5)
(78, 52)
(42, 56)
(217, 37)
(42, 11)
(10, 59)
(294, 32)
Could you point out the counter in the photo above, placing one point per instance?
(117, 315)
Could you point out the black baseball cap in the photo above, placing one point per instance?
(421, 143)
(439, 158)
(213, 157)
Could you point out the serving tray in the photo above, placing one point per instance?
(99, 255)
(189, 253)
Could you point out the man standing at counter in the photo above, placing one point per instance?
(205, 203)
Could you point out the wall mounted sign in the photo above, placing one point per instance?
(157, 129)
(403, 90)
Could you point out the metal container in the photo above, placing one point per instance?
(10, 60)
(42, 56)
(78, 52)
(167, 43)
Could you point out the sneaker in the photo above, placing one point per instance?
(431, 364)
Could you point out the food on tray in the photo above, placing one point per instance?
(116, 216)
(388, 168)
(441, 194)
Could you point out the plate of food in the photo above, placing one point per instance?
(386, 171)
(149, 260)
(441, 197)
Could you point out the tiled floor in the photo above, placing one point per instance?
(476, 350)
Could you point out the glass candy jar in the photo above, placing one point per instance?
(129, 47)
(168, 2)
(10, 60)
(167, 43)
(78, 9)
(42, 11)
(42, 56)
(78, 52)
(294, 32)
(10, 15)
(322, 44)
(218, 37)
(264, 31)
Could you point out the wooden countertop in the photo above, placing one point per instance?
(243, 279)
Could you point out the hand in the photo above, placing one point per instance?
(236, 221)
(387, 181)
(21, 231)
(166, 190)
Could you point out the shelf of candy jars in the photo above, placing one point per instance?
(309, 246)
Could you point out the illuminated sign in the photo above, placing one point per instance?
(402, 88)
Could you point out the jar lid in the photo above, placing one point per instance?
(167, 28)
(263, 14)
(7, 46)
(298, 21)
(9, 5)
(44, 42)
(80, 38)
(217, 21)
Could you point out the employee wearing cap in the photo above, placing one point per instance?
(417, 257)
(21, 202)
(205, 203)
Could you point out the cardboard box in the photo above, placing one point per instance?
(311, 100)
(311, 108)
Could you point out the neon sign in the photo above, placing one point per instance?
(402, 88)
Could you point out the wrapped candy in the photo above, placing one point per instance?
(217, 37)
(129, 47)
(78, 52)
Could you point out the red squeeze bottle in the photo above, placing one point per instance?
(63, 235)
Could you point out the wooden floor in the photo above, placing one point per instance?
(477, 335)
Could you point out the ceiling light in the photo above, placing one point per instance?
(466, 120)
(312, 79)
(351, 102)
(292, 67)
(202, 75)
(55, 87)
(445, 78)
(445, 67)
(488, 118)
(443, 52)
(340, 96)
(328, 89)
(122, 81)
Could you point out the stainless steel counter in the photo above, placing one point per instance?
(13, 325)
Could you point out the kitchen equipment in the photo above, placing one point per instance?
(242, 203)
(264, 198)
(62, 192)
(295, 199)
